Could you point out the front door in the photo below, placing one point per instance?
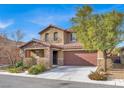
(55, 57)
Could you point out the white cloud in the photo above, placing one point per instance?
(54, 19)
(4, 24)
(32, 35)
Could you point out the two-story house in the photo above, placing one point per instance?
(59, 47)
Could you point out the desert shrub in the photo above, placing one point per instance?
(26, 67)
(19, 64)
(4, 67)
(33, 70)
(36, 69)
(28, 62)
(41, 67)
(15, 70)
(97, 76)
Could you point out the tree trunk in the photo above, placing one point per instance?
(105, 59)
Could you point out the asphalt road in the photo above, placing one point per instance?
(7, 81)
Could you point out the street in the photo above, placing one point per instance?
(7, 81)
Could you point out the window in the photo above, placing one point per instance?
(39, 53)
(27, 53)
(73, 37)
(55, 36)
(46, 36)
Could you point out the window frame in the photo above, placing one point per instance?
(55, 36)
(73, 37)
(39, 53)
(46, 37)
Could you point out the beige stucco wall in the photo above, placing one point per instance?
(51, 31)
(67, 37)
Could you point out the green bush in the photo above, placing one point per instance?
(19, 64)
(97, 76)
(33, 70)
(41, 67)
(26, 67)
(15, 70)
(36, 69)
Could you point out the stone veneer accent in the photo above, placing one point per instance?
(60, 58)
(48, 53)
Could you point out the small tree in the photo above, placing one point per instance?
(102, 32)
(12, 52)
(17, 36)
(9, 48)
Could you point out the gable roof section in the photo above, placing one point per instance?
(51, 26)
(38, 43)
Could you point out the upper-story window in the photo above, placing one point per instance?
(55, 36)
(73, 37)
(46, 37)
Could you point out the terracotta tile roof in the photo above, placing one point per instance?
(70, 30)
(73, 46)
(56, 46)
(65, 46)
(42, 42)
(69, 46)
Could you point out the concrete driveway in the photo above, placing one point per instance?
(68, 73)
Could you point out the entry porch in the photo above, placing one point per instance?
(47, 56)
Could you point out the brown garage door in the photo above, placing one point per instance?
(80, 58)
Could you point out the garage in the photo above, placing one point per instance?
(80, 58)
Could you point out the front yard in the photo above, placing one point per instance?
(20, 67)
(69, 73)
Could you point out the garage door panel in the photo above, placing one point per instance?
(80, 58)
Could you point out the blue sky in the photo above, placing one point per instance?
(31, 19)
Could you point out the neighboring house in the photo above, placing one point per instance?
(7, 45)
(59, 47)
(122, 55)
